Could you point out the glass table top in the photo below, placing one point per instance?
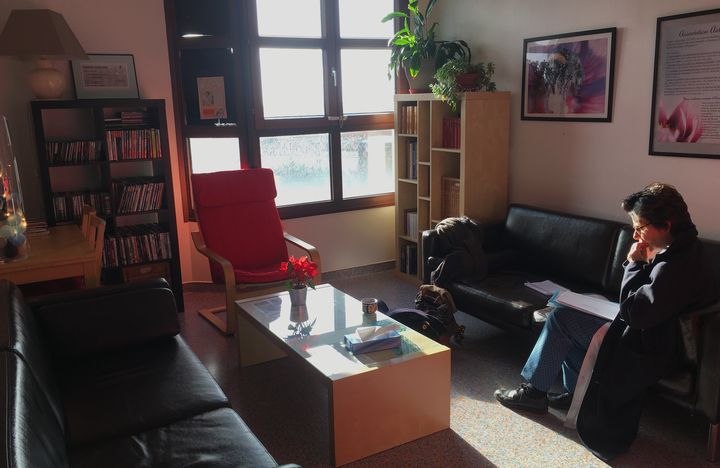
(316, 331)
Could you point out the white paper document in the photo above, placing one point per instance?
(590, 305)
(546, 287)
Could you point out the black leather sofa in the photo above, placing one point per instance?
(586, 255)
(100, 378)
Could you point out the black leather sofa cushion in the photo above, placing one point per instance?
(562, 245)
(500, 299)
(19, 333)
(210, 440)
(115, 394)
(27, 419)
(81, 335)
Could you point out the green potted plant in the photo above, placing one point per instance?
(415, 49)
(458, 75)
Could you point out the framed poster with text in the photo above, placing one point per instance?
(685, 117)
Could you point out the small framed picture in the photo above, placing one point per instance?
(105, 76)
(569, 76)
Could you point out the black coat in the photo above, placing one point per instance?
(642, 344)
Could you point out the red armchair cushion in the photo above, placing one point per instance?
(239, 220)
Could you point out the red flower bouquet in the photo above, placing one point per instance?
(301, 271)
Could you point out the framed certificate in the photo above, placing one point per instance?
(685, 117)
(105, 76)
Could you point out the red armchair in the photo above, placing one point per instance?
(241, 234)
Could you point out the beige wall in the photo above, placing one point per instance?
(138, 27)
(579, 167)
(585, 167)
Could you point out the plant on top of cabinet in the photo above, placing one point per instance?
(458, 75)
(415, 49)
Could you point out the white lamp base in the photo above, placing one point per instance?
(46, 82)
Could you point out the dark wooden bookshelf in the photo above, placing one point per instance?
(68, 121)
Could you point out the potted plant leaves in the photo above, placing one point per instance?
(415, 49)
(458, 75)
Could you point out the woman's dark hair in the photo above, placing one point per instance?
(658, 203)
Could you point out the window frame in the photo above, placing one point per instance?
(250, 125)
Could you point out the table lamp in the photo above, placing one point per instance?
(41, 35)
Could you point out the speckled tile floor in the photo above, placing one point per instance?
(289, 413)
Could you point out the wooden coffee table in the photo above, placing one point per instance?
(377, 400)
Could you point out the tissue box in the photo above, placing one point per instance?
(369, 339)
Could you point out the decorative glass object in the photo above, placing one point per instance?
(298, 295)
(13, 242)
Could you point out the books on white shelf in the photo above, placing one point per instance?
(411, 223)
(592, 305)
(369, 339)
(546, 287)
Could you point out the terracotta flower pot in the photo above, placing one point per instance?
(467, 80)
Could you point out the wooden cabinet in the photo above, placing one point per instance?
(113, 154)
(447, 165)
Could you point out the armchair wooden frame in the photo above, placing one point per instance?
(235, 291)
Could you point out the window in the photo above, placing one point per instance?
(323, 107)
(308, 91)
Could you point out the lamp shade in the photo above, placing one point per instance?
(33, 34)
(41, 35)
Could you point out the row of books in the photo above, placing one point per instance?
(141, 243)
(73, 152)
(68, 206)
(411, 158)
(138, 194)
(408, 259)
(129, 118)
(408, 119)
(451, 132)
(133, 144)
(411, 223)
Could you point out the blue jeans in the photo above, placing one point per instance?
(562, 345)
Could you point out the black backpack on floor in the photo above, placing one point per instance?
(434, 315)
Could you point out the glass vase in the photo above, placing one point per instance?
(298, 295)
(13, 242)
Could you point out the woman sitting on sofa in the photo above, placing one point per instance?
(666, 274)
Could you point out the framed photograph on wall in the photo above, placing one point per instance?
(105, 76)
(569, 76)
(685, 117)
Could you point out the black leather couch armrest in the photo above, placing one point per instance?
(434, 252)
(708, 384)
(430, 248)
(107, 318)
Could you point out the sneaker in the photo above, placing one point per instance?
(521, 398)
(560, 400)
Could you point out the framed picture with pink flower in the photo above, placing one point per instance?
(569, 76)
(685, 117)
